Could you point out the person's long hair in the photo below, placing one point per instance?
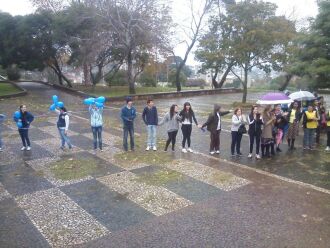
(172, 110)
(267, 109)
(252, 108)
(190, 109)
(20, 110)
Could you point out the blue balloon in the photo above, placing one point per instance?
(55, 99)
(100, 99)
(19, 124)
(52, 107)
(89, 101)
(99, 105)
(60, 104)
(17, 114)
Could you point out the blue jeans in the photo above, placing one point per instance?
(97, 136)
(152, 131)
(128, 130)
(309, 134)
(64, 138)
(24, 133)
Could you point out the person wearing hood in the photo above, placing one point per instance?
(213, 125)
(96, 124)
(63, 123)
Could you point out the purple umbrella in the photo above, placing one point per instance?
(275, 98)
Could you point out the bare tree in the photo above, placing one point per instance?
(52, 5)
(192, 33)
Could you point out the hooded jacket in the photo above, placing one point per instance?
(212, 122)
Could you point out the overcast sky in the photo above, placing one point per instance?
(298, 10)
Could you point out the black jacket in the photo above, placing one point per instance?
(212, 122)
(255, 126)
(187, 115)
(298, 115)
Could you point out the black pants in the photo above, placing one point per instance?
(171, 138)
(317, 134)
(236, 142)
(256, 137)
(215, 141)
(328, 140)
(24, 133)
(186, 132)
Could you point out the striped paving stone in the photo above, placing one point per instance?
(156, 200)
(222, 180)
(61, 221)
(53, 145)
(52, 130)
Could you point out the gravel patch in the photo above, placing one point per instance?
(155, 199)
(3, 193)
(222, 180)
(60, 220)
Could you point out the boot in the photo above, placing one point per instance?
(292, 145)
(267, 151)
(272, 147)
(289, 143)
(262, 150)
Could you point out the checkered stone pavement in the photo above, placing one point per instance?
(58, 211)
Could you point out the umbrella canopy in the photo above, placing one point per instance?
(275, 98)
(302, 96)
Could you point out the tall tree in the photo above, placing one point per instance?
(260, 38)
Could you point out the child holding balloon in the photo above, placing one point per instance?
(2, 118)
(63, 126)
(23, 119)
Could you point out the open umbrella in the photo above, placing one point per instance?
(275, 98)
(302, 96)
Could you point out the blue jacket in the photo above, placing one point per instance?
(26, 119)
(96, 116)
(128, 116)
(150, 116)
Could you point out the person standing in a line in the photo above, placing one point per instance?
(2, 119)
(128, 114)
(63, 123)
(310, 124)
(25, 119)
(294, 116)
(236, 121)
(213, 125)
(96, 125)
(188, 116)
(150, 118)
(317, 109)
(280, 124)
(328, 130)
(172, 119)
(267, 140)
(255, 129)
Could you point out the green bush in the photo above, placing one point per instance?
(117, 79)
(13, 74)
(171, 77)
(146, 79)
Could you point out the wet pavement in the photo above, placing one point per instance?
(53, 198)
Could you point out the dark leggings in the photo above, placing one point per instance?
(256, 137)
(171, 138)
(24, 133)
(236, 142)
(186, 132)
(328, 140)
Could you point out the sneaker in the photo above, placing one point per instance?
(154, 148)
(278, 149)
(190, 150)
(184, 150)
(232, 155)
(217, 152)
(1, 149)
(212, 153)
(101, 150)
(250, 155)
(239, 154)
(28, 148)
(148, 148)
(258, 156)
(327, 149)
(23, 148)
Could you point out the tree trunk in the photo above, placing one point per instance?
(224, 76)
(214, 79)
(177, 77)
(245, 83)
(288, 78)
(60, 75)
(98, 76)
(86, 73)
(130, 77)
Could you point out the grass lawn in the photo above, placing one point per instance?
(123, 90)
(7, 88)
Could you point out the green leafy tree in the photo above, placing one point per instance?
(260, 38)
